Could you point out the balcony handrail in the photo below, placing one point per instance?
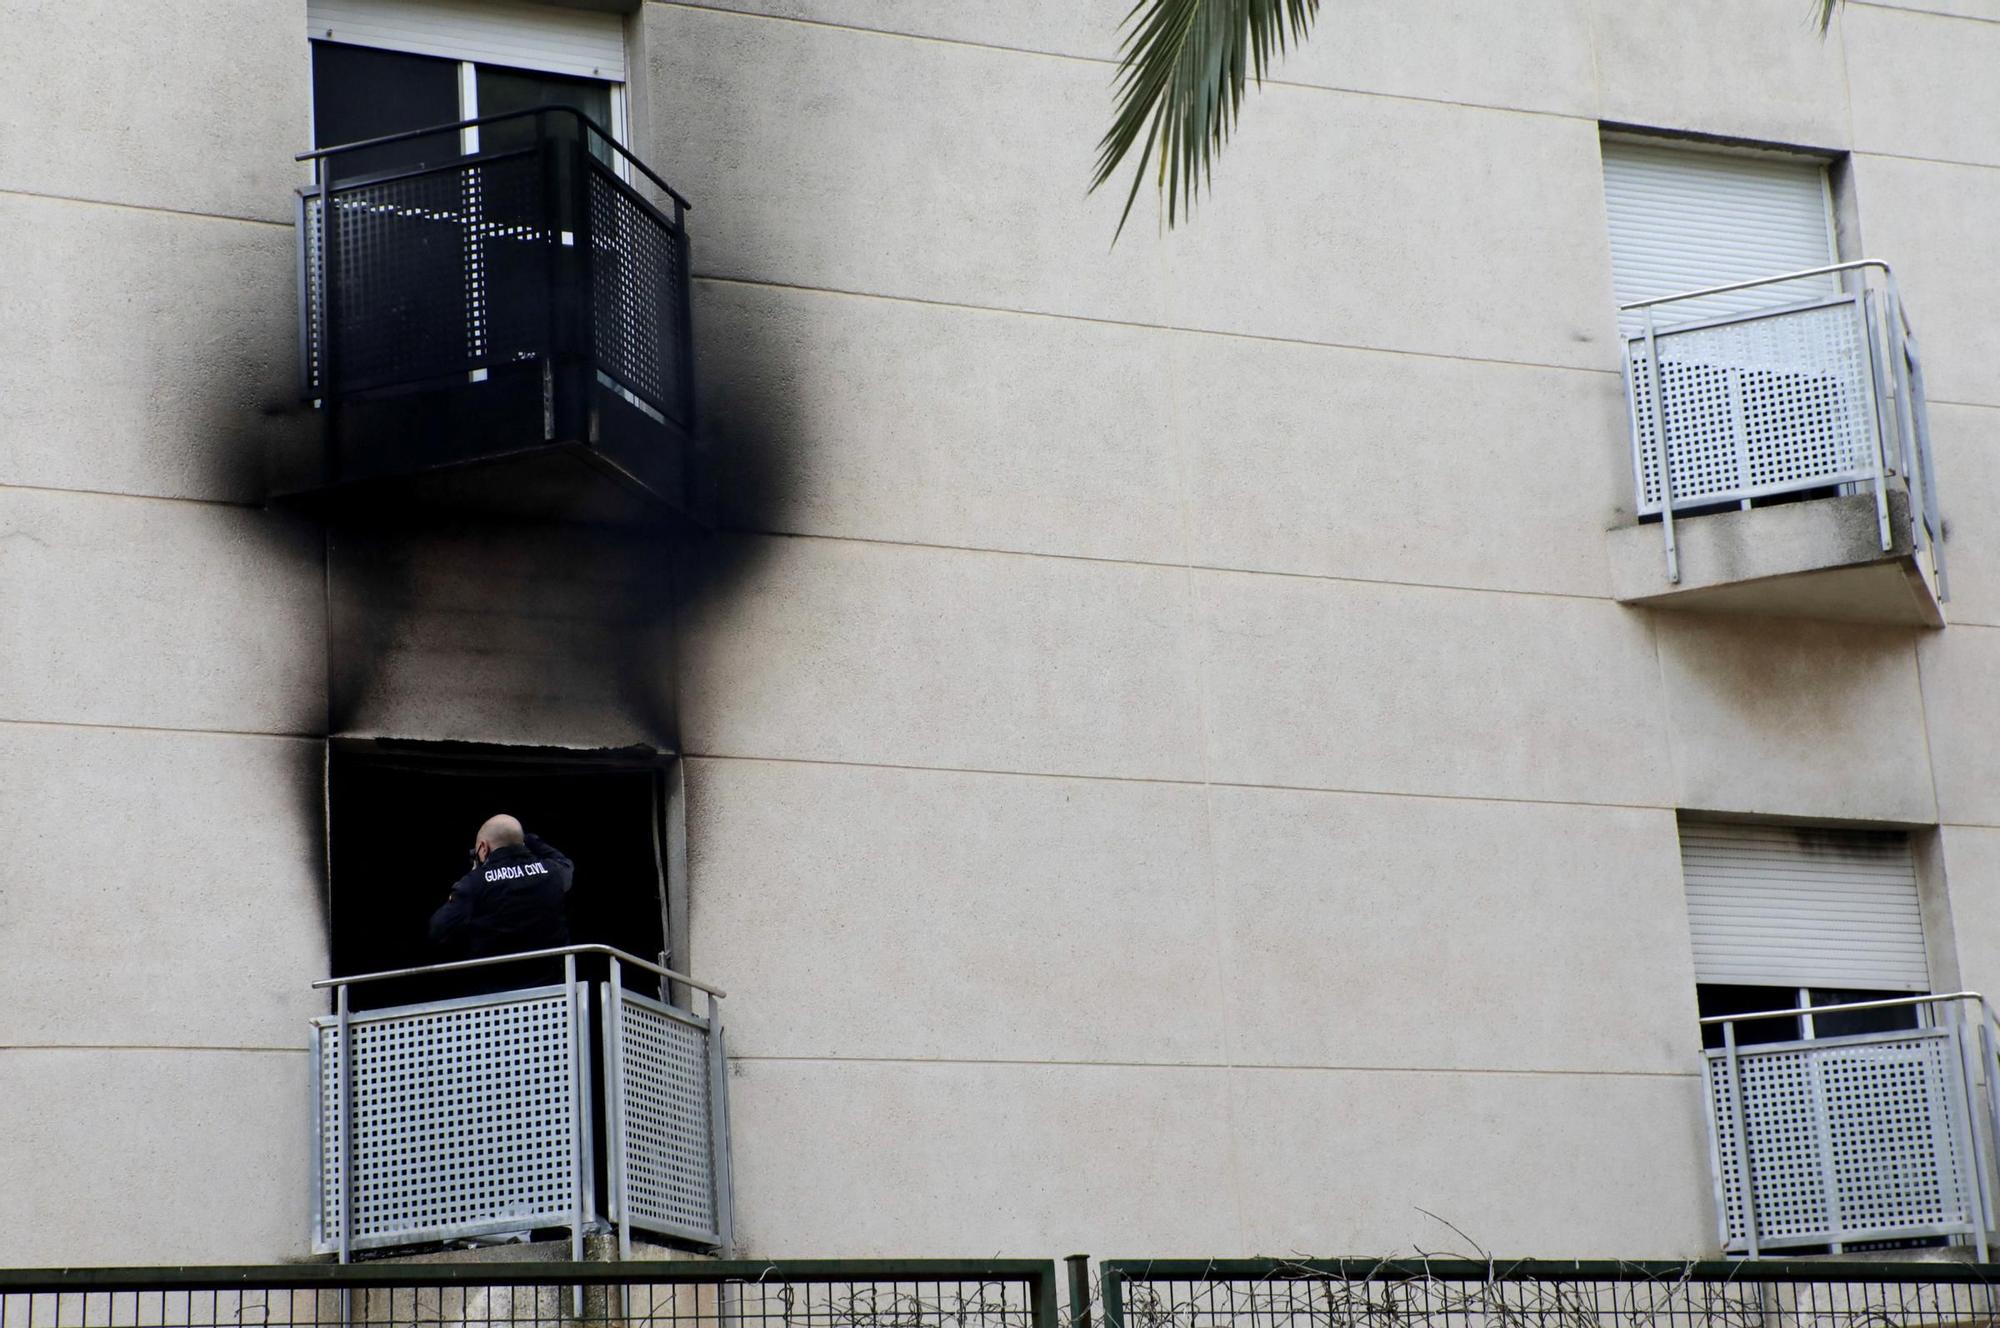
(490, 961)
(1885, 1003)
(431, 131)
(1705, 291)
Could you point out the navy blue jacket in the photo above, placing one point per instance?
(513, 901)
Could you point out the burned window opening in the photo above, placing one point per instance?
(401, 818)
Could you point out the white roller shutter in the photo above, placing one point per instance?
(515, 33)
(1785, 906)
(1682, 220)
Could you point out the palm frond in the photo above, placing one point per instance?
(1826, 11)
(1184, 67)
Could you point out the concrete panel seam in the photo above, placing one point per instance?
(141, 207)
(157, 728)
(6, 487)
(1923, 13)
(1952, 162)
(1275, 1067)
(725, 280)
(152, 1047)
(1176, 783)
(1109, 62)
(1215, 568)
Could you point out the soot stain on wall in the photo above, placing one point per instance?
(517, 625)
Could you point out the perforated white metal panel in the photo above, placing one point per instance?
(1851, 1140)
(515, 33)
(668, 1144)
(1757, 405)
(463, 1120)
(1682, 219)
(1794, 906)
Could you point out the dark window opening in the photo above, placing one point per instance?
(361, 93)
(1713, 998)
(402, 819)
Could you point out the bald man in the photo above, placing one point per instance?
(511, 900)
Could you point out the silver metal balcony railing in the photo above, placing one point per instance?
(1823, 392)
(474, 1116)
(1844, 1140)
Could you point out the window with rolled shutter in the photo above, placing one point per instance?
(1802, 907)
(1683, 219)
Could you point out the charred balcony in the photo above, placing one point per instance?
(503, 325)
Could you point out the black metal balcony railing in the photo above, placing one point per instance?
(496, 302)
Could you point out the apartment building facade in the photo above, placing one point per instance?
(1260, 738)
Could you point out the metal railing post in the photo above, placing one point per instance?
(1111, 1290)
(344, 1108)
(1042, 1311)
(1660, 446)
(720, 1181)
(1878, 415)
(577, 1110)
(1078, 1266)
(614, 1107)
(1737, 1122)
(1975, 1155)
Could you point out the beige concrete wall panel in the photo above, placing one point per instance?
(807, 166)
(1795, 718)
(1084, 28)
(1401, 225)
(1915, 216)
(1960, 667)
(1965, 446)
(165, 888)
(1401, 467)
(1534, 57)
(927, 914)
(144, 352)
(829, 650)
(1922, 83)
(1339, 685)
(880, 419)
(1556, 935)
(1004, 1159)
(1972, 871)
(170, 615)
(154, 1157)
(1754, 69)
(504, 632)
(1555, 1166)
(197, 109)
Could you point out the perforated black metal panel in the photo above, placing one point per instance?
(438, 273)
(636, 287)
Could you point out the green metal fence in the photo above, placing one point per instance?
(1457, 1293)
(695, 1293)
(1017, 1293)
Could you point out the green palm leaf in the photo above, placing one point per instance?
(1180, 84)
(1826, 8)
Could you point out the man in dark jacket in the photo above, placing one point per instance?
(511, 901)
